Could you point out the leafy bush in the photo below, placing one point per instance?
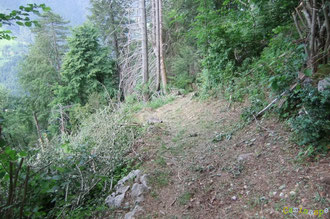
(312, 123)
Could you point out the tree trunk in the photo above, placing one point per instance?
(313, 26)
(312, 42)
(57, 54)
(161, 47)
(144, 49)
(38, 130)
(115, 45)
(62, 122)
(157, 43)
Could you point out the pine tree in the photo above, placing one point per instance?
(39, 72)
(86, 68)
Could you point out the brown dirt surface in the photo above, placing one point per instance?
(203, 163)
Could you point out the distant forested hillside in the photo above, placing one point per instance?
(73, 10)
(12, 52)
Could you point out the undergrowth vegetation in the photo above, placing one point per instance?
(253, 52)
(81, 168)
(73, 173)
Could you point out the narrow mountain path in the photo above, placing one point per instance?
(203, 163)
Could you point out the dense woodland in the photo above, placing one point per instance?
(65, 135)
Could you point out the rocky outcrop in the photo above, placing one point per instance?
(134, 193)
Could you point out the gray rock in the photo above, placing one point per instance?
(137, 190)
(131, 175)
(292, 193)
(115, 201)
(154, 120)
(144, 180)
(131, 215)
(243, 157)
(122, 190)
(323, 84)
(282, 187)
(139, 199)
(116, 198)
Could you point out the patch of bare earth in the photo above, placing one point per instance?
(202, 165)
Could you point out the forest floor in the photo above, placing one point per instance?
(203, 164)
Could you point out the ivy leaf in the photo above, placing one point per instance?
(46, 9)
(2, 174)
(28, 24)
(308, 72)
(19, 23)
(22, 154)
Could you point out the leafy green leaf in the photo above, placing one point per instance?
(308, 72)
(19, 23)
(22, 154)
(46, 9)
(28, 24)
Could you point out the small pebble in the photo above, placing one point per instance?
(292, 193)
(282, 187)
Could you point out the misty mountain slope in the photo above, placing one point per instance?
(12, 52)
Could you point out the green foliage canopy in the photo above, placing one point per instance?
(86, 69)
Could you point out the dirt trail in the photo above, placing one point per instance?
(203, 165)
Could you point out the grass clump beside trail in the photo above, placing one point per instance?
(134, 105)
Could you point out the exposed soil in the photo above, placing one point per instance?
(204, 164)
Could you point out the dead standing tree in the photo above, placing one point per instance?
(131, 47)
(158, 44)
(161, 47)
(144, 50)
(130, 50)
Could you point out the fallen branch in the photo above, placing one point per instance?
(271, 104)
(278, 98)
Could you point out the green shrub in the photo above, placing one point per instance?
(312, 122)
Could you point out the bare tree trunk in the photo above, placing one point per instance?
(57, 54)
(312, 24)
(327, 26)
(38, 130)
(161, 47)
(312, 42)
(144, 49)
(115, 45)
(62, 122)
(157, 43)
